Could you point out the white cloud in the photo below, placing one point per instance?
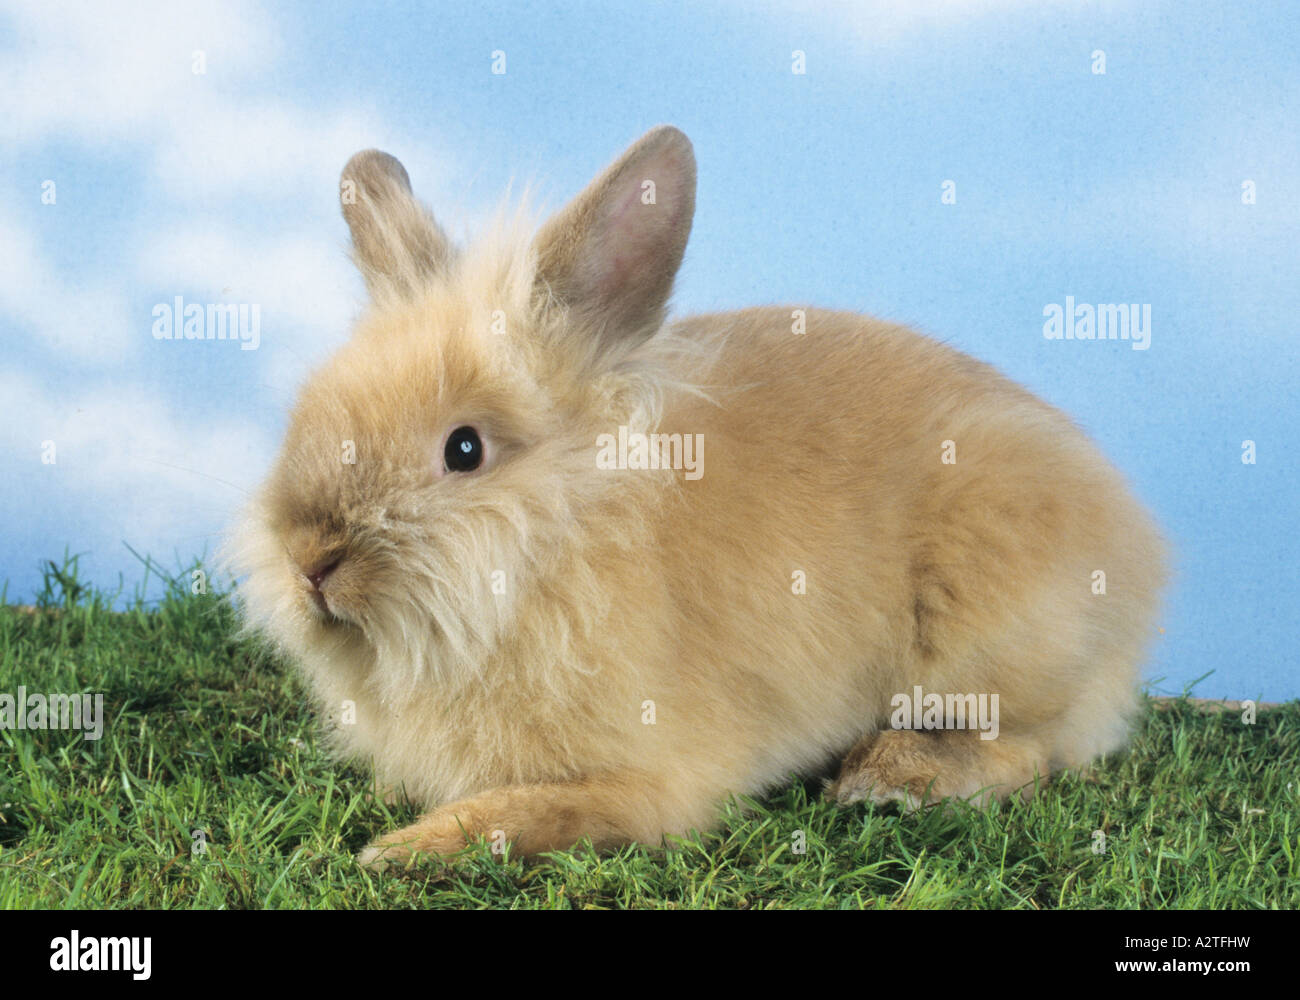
(84, 320)
(307, 284)
(214, 146)
(306, 289)
(107, 75)
(213, 151)
(144, 467)
(267, 148)
(232, 188)
(125, 81)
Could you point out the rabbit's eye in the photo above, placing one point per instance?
(464, 450)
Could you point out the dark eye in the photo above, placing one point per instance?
(464, 451)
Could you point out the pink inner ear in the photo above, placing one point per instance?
(631, 233)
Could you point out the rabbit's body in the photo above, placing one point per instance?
(557, 650)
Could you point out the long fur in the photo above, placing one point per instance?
(636, 595)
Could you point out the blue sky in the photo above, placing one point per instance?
(819, 188)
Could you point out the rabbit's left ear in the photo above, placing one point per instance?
(611, 255)
(395, 241)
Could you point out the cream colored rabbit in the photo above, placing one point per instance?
(539, 638)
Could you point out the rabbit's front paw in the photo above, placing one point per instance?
(431, 835)
(379, 858)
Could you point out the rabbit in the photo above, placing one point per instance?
(483, 545)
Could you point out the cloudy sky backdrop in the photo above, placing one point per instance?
(823, 187)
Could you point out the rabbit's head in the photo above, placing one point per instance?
(443, 460)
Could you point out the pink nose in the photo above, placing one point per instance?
(317, 576)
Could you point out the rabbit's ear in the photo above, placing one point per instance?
(611, 255)
(395, 241)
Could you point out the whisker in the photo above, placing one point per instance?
(195, 472)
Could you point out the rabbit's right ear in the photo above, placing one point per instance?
(395, 241)
(611, 255)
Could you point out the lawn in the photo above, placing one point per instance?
(205, 732)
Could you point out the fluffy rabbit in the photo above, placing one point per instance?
(540, 639)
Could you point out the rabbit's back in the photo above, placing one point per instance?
(878, 511)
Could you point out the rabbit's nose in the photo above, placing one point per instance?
(317, 576)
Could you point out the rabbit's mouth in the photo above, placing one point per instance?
(322, 603)
(330, 619)
(327, 582)
(329, 612)
(327, 605)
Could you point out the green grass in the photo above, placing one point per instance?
(205, 731)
